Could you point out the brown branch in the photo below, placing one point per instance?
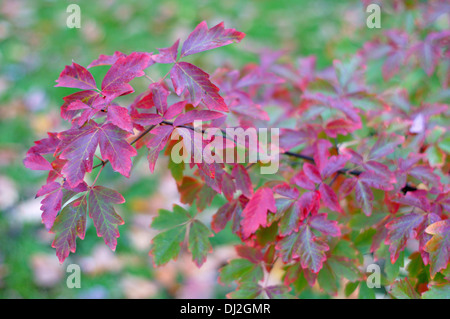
(405, 189)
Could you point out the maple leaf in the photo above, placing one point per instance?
(123, 71)
(101, 210)
(199, 115)
(254, 214)
(228, 186)
(339, 126)
(229, 211)
(159, 96)
(166, 245)
(385, 145)
(441, 203)
(363, 193)
(115, 148)
(429, 50)
(439, 245)
(174, 110)
(325, 226)
(167, 55)
(441, 291)
(106, 59)
(329, 197)
(68, 225)
(403, 289)
(87, 111)
(286, 190)
(87, 97)
(187, 76)
(198, 242)
(205, 197)
(397, 46)
(78, 146)
(325, 168)
(258, 76)
(120, 117)
(416, 199)
(202, 38)
(292, 216)
(76, 76)
(304, 245)
(243, 181)
(246, 290)
(400, 230)
(34, 159)
(426, 175)
(241, 270)
(52, 203)
(157, 141)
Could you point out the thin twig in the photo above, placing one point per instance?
(132, 142)
(343, 171)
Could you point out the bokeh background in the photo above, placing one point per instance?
(36, 44)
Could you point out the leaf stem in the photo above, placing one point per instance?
(98, 174)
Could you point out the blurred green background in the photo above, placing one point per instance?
(36, 44)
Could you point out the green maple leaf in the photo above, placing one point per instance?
(403, 289)
(174, 225)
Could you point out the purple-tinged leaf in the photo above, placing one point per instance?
(187, 76)
(174, 110)
(202, 38)
(76, 76)
(87, 97)
(426, 175)
(123, 71)
(224, 214)
(34, 159)
(334, 164)
(228, 186)
(167, 55)
(374, 180)
(243, 181)
(106, 59)
(68, 225)
(115, 148)
(200, 115)
(290, 221)
(51, 204)
(254, 214)
(312, 172)
(120, 117)
(400, 230)
(364, 197)
(325, 226)
(305, 246)
(414, 199)
(329, 197)
(156, 143)
(286, 190)
(385, 145)
(159, 95)
(78, 146)
(302, 181)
